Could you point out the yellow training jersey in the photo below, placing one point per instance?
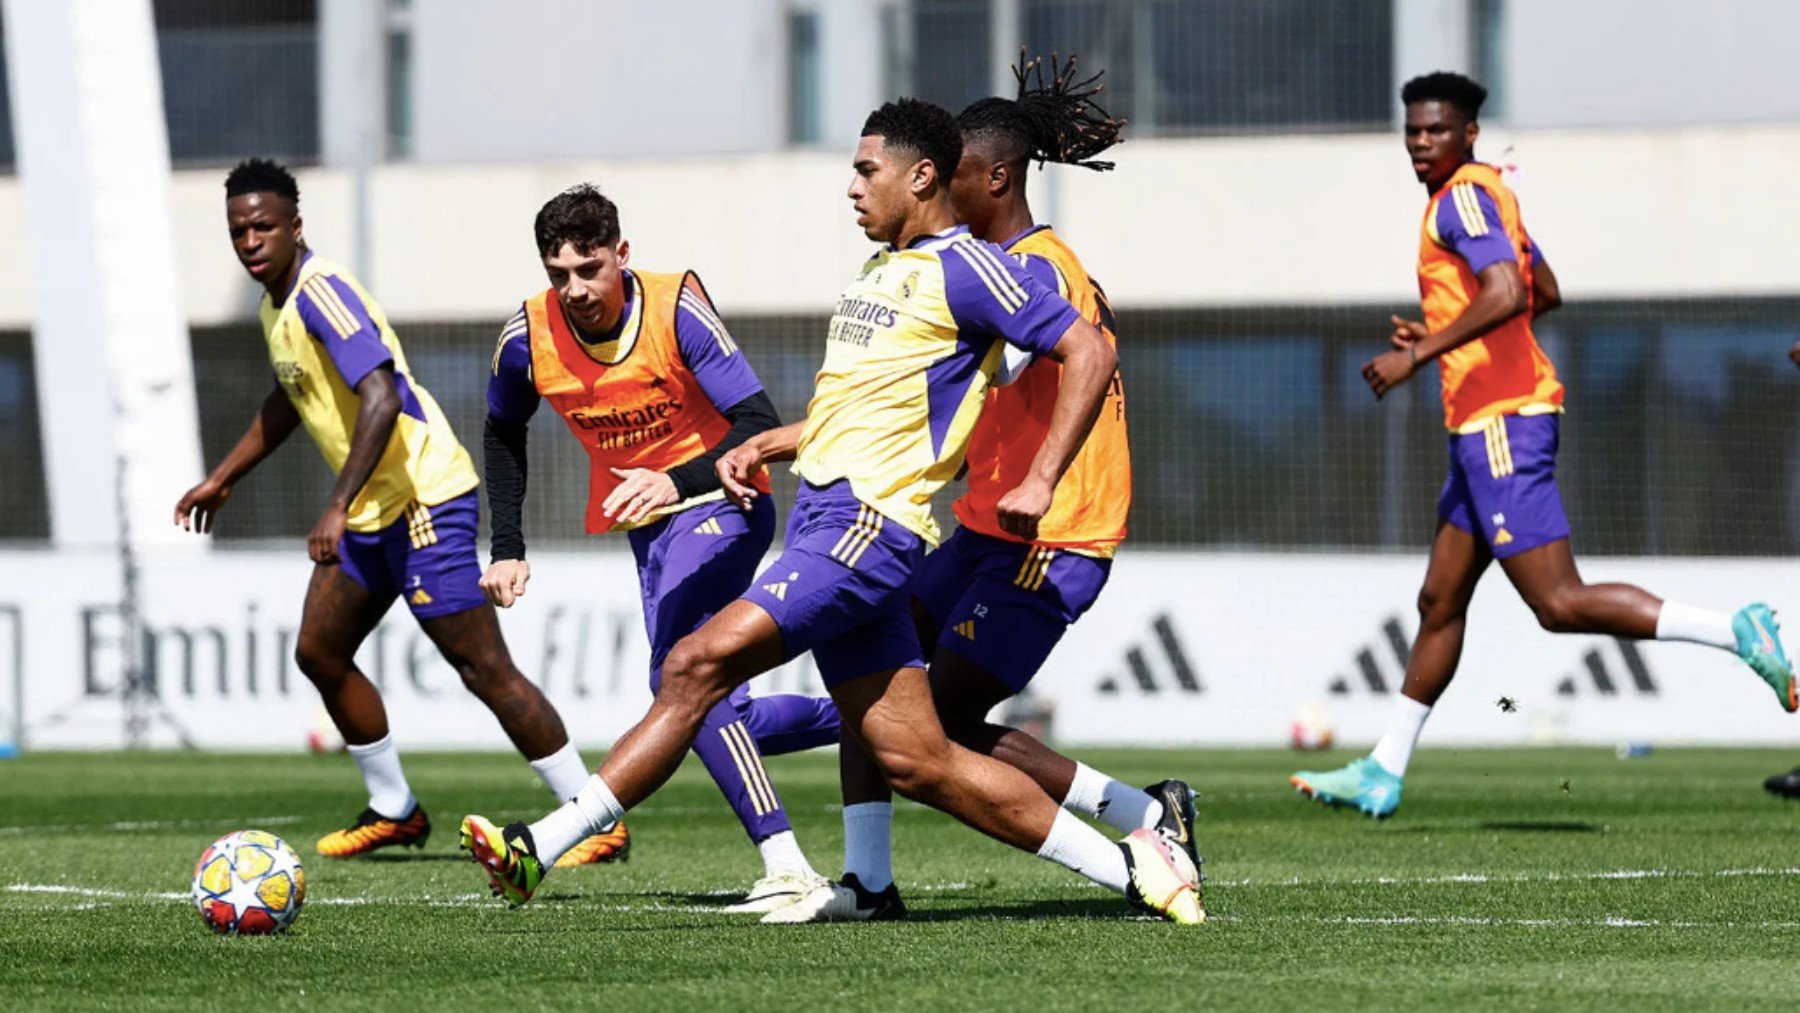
(323, 340)
(910, 353)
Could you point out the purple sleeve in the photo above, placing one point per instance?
(336, 317)
(993, 294)
(1468, 223)
(1535, 251)
(512, 394)
(1044, 271)
(710, 353)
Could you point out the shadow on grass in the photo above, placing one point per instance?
(416, 856)
(1544, 826)
(1105, 909)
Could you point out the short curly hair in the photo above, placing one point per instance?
(1444, 86)
(926, 130)
(581, 216)
(261, 175)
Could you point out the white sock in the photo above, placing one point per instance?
(869, 843)
(1080, 848)
(1114, 803)
(592, 810)
(1396, 746)
(562, 772)
(389, 793)
(1698, 626)
(781, 853)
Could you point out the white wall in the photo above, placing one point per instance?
(1650, 213)
(1624, 62)
(598, 78)
(1184, 648)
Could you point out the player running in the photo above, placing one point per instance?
(1483, 281)
(989, 606)
(1786, 785)
(654, 388)
(400, 520)
(912, 347)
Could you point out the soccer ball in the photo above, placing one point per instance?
(323, 737)
(249, 883)
(1311, 729)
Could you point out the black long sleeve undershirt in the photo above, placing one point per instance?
(504, 442)
(748, 417)
(503, 451)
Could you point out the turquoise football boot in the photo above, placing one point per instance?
(1759, 644)
(1364, 785)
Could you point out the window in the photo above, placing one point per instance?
(239, 79)
(805, 124)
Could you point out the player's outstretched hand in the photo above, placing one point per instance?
(1022, 508)
(1794, 354)
(504, 582)
(322, 544)
(201, 505)
(639, 491)
(737, 469)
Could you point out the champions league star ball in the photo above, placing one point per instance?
(1311, 729)
(249, 883)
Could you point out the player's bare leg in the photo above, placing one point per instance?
(896, 725)
(338, 616)
(1372, 785)
(700, 671)
(1458, 561)
(473, 645)
(892, 716)
(963, 694)
(1548, 581)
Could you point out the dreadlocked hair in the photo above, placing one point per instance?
(1049, 121)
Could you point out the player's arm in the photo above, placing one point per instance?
(335, 316)
(375, 419)
(274, 423)
(713, 357)
(512, 398)
(1546, 294)
(1468, 223)
(739, 467)
(994, 294)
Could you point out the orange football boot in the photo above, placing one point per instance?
(612, 845)
(373, 830)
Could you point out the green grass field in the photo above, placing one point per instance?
(1516, 879)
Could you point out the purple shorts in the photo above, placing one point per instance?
(694, 563)
(1004, 605)
(838, 589)
(1502, 484)
(426, 557)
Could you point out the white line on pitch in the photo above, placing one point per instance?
(131, 825)
(1530, 923)
(1479, 878)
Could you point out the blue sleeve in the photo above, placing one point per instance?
(993, 294)
(336, 317)
(1468, 223)
(1535, 251)
(512, 394)
(710, 353)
